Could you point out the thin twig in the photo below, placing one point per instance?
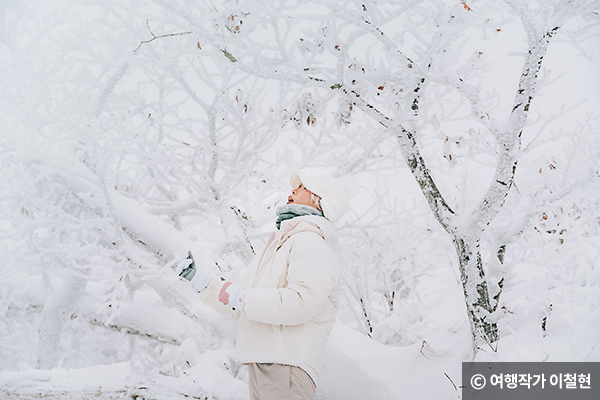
(366, 318)
(154, 37)
(423, 347)
(455, 388)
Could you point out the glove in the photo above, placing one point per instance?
(232, 294)
(186, 269)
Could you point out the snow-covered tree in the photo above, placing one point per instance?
(134, 131)
(399, 63)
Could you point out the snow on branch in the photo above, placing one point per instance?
(412, 156)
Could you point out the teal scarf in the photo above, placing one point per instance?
(290, 211)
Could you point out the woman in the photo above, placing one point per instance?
(287, 301)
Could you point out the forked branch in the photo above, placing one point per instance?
(154, 37)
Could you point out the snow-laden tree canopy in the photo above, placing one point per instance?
(134, 131)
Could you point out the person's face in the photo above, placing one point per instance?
(301, 195)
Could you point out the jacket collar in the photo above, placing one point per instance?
(312, 223)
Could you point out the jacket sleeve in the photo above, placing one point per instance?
(210, 297)
(210, 294)
(313, 272)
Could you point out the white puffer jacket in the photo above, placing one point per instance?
(293, 293)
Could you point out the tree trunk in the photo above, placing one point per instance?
(57, 311)
(477, 299)
(466, 240)
(467, 245)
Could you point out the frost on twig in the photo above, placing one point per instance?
(154, 37)
(136, 332)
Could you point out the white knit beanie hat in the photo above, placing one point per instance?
(334, 197)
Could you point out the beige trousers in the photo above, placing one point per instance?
(280, 382)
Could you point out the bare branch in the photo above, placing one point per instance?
(154, 37)
(133, 331)
(408, 145)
